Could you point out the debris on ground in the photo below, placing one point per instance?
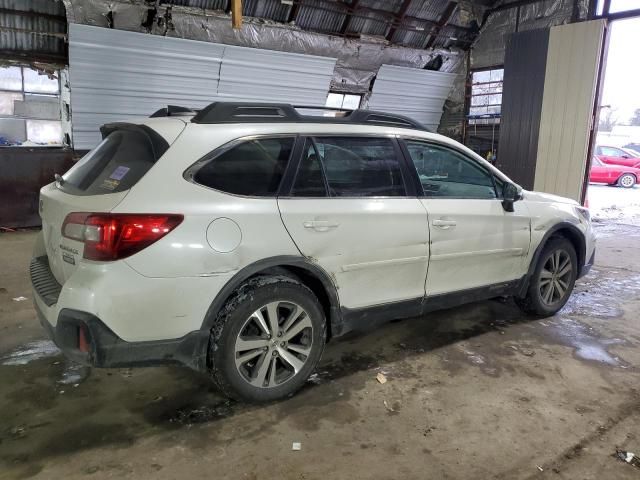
(540, 468)
(296, 446)
(19, 299)
(387, 406)
(203, 414)
(381, 377)
(18, 431)
(628, 457)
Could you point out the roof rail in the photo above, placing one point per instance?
(173, 110)
(245, 112)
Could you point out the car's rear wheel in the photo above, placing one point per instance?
(553, 278)
(627, 180)
(267, 340)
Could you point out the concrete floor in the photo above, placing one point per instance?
(475, 392)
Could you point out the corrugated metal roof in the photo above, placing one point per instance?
(369, 17)
(24, 26)
(321, 16)
(426, 10)
(271, 9)
(206, 4)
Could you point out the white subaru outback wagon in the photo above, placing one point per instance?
(239, 239)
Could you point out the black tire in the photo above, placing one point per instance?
(534, 302)
(627, 180)
(233, 320)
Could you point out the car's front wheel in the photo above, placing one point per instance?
(553, 278)
(267, 339)
(627, 180)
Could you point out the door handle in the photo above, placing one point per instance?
(320, 225)
(444, 224)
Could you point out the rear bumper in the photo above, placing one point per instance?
(105, 349)
(101, 346)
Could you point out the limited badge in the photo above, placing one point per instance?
(68, 258)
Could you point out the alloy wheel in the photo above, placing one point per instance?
(627, 181)
(555, 277)
(273, 344)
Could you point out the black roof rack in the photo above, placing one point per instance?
(244, 112)
(172, 110)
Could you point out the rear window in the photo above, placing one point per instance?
(117, 163)
(253, 168)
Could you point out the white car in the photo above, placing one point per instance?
(239, 239)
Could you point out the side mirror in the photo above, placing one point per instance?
(626, 156)
(510, 195)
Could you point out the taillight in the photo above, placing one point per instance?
(111, 236)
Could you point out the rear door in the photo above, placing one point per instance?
(351, 210)
(97, 183)
(474, 241)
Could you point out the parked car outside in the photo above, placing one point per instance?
(634, 148)
(619, 175)
(617, 156)
(238, 240)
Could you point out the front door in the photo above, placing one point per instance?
(474, 241)
(348, 210)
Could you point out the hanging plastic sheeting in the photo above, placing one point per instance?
(418, 94)
(357, 60)
(488, 49)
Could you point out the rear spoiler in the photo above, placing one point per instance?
(157, 142)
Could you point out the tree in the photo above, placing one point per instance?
(608, 119)
(635, 118)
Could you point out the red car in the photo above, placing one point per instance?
(619, 175)
(618, 156)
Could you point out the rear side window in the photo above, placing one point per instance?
(352, 167)
(252, 168)
(116, 164)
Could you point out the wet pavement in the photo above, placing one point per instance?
(477, 391)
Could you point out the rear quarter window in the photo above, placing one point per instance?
(117, 163)
(252, 168)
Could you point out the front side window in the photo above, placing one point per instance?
(352, 167)
(252, 168)
(446, 173)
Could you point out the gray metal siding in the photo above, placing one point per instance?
(416, 93)
(523, 88)
(115, 75)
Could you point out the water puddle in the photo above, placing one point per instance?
(30, 352)
(74, 374)
(587, 344)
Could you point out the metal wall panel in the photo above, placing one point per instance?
(419, 94)
(567, 107)
(523, 88)
(265, 75)
(115, 75)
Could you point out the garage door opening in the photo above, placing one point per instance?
(614, 176)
